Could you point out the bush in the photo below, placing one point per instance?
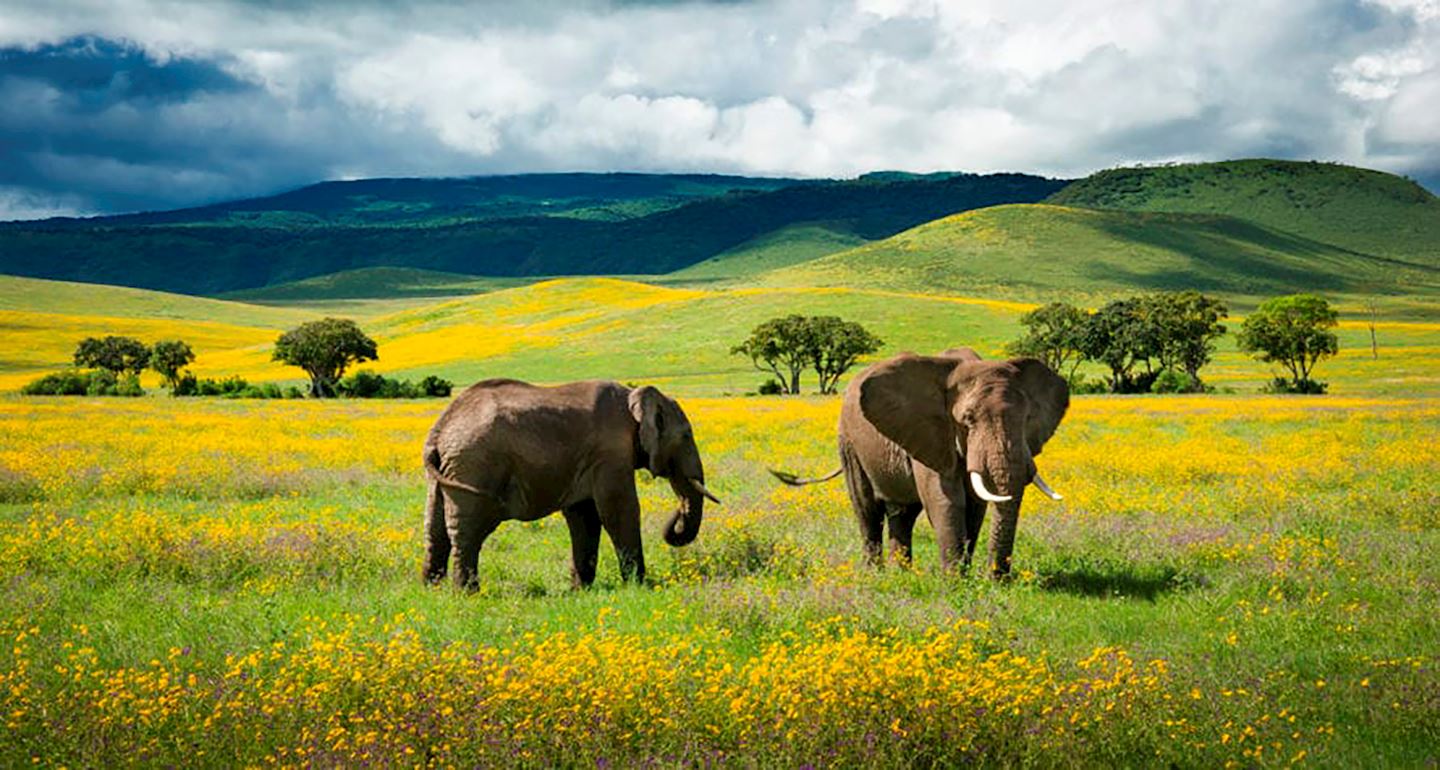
(770, 388)
(1286, 385)
(368, 384)
(127, 385)
(1081, 386)
(225, 387)
(1172, 381)
(186, 385)
(294, 392)
(436, 387)
(71, 382)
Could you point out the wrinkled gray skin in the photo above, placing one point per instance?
(913, 427)
(509, 450)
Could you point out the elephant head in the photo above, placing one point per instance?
(987, 419)
(666, 446)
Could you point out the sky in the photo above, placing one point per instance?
(124, 105)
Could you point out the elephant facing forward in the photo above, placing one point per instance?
(510, 450)
(948, 434)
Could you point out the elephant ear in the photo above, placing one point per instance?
(1049, 397)
(645, 405)
(906, 399)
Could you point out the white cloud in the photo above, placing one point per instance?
(791, 86)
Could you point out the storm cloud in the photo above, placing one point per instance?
(142, 104)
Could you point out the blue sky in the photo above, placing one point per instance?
(123, 105)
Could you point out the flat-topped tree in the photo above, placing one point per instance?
(168, 357)
(118, 355)
(324, 349)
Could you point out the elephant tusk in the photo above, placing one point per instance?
(985, 494)
(699, 487)
(1040, 483)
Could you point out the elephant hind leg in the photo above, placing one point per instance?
(901, 524)
(437, 539)
(869, 511)
(468, 522)
(584, 521)
(974, 517)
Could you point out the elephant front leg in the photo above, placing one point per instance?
(619, 511)
(944, 501)
(974, 518)
(584, 522)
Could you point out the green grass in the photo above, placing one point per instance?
(1040, 252)
(374, 283)
(1353, 208)
(782, 248)
(36, 295)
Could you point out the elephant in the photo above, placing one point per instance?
(506, 449)
(948, 434)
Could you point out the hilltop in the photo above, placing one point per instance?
(1043, 251)
(204, 255)
(1366, 211)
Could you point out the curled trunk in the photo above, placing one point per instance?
(684, 525)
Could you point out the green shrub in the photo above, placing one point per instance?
(294, 392)
(127, 385)
(71, 382)
(436, 387)
(770, 388)
(1172, 381)
(1304, 386)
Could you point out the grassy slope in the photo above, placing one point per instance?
(782, 248)
(604, 328)
(35, 295)
(374, 283)
(1354, 208)
(1044, 251)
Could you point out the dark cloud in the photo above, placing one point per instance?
(141, 104)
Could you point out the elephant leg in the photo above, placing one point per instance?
(974, 518)
(619, 511)
(468, 524)
(584, 521)
(869, 511)
(944, 501)
(901, 525)
(437, 539)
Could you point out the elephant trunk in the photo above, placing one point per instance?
(684, 525)
(1003, 475)
(1002, 537)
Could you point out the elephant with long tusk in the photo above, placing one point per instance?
(509, 450)
(948, 434)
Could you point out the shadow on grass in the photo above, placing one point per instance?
(1120, 582)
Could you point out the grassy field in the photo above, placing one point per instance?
(1245, 581)
(1232, 579)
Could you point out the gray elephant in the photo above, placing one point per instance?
(510, 450)
(948, 434)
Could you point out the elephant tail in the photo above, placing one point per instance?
(796, 481)
(432, 469)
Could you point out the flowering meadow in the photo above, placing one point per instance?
(1230, 581)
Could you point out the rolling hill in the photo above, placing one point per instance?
(1353, 208)
(374, 283)
(201, 257)
(1044, 251)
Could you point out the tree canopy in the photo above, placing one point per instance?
(324, 349)
(113, 354)
(168, 357)
(787, 346)
(1292, 331)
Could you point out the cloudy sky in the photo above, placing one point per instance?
(122, 105)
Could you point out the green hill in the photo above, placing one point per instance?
(1353, 208)
(207, 258)
(1043, 251)
(781, 248)
(34, 295)
(375, 283)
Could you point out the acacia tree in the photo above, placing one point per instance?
(1294, 332)
(168, 357)
(1055, 334)
(117, 355)
(1122, 335)
(1187, 324)
(324, 349)
(782, 346)
(835, 346)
